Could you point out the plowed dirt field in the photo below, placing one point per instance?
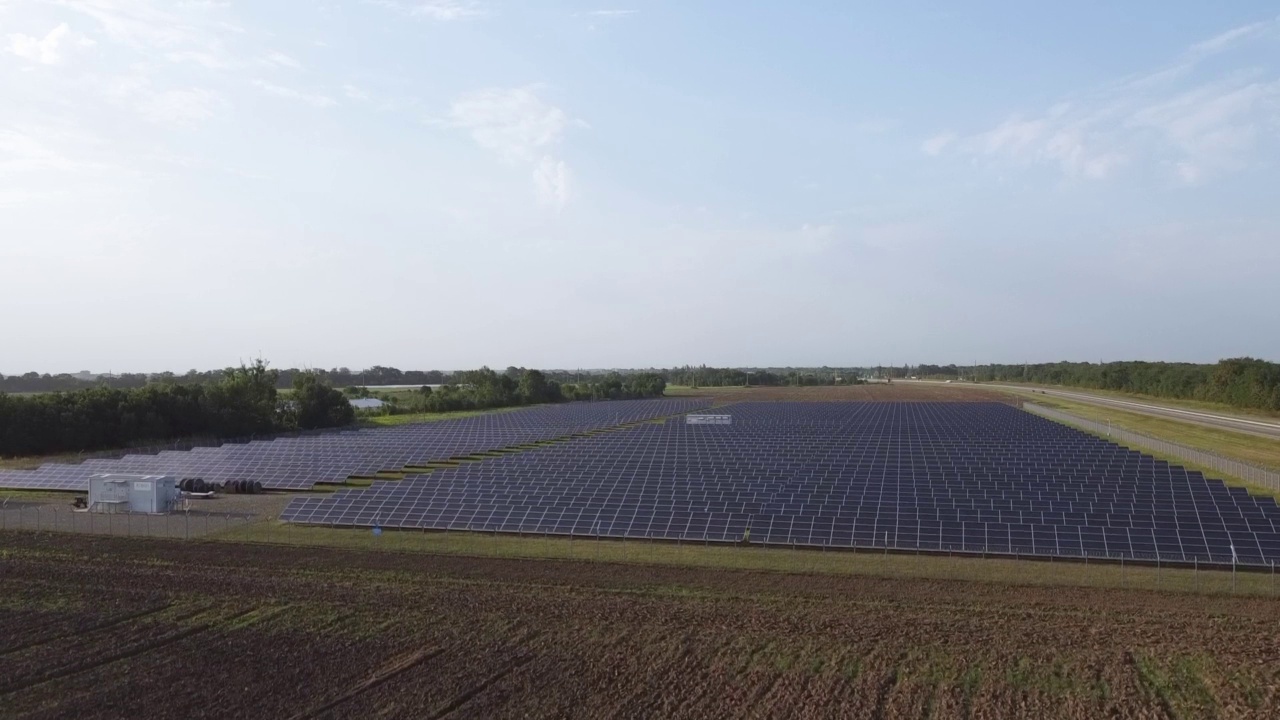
(121, 628)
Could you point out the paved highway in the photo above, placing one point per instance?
(1261, 427)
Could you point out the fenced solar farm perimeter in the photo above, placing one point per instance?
(980, 478)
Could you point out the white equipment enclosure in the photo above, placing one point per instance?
(132, 493)
(708, 419)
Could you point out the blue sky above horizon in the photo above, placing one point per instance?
(447, 183)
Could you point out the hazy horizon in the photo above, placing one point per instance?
(454, 183)
(503, 367)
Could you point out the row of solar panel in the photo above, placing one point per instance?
(1182, 545)
(447, 482)
(595, 476)
(633, 491)
(298, 463)
(1103, 516)
(599, 495)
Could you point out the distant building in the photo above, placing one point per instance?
(366, 403)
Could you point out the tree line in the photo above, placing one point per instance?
(595, 383)
(247, 400)
(485, 388)
(1238, 382)
(243, 401)
(703, 376)
(33, 382)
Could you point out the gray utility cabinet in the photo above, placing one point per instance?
(132, 493)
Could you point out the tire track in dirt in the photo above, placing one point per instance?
(85, 666)
(466, 697)
(613, 641)
(382, 675)
(104, 625)
(880, 710)
(693, 698)
(611, 666)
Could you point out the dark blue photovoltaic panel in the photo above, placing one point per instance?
(967, 477)
(299, 463)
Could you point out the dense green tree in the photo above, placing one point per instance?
(534, 388)
(316, 404)
(245, 401)
(1240, 382)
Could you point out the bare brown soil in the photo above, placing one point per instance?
(875, 392)
(115, 627)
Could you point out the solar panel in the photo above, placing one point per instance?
(970, 477)
(298, 463)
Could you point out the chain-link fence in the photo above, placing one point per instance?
(1252, 474)
(45, 517)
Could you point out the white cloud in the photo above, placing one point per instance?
(49, 49)
(1178, 117)
(317, 101)
(519, 127)
(1073, 144)
(551, 182)
(21, 151)
(354, 93)
(136, 92)
(182, 107)
(1067, 147)
(50, 147)
(443, 10)
(206, 60)
(1013, 136)
(279, 59)
(1212, 126)
(611, 13)
(139, 23)
(937, 143)
(1226, 40)
(515, 123)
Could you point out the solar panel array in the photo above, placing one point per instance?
(298, 463)
(968, 477)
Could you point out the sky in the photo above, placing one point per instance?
(451, 183)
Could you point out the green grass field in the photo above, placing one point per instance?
(1248, 448)
(863, 562)
(31, 463)
(1154, 400)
